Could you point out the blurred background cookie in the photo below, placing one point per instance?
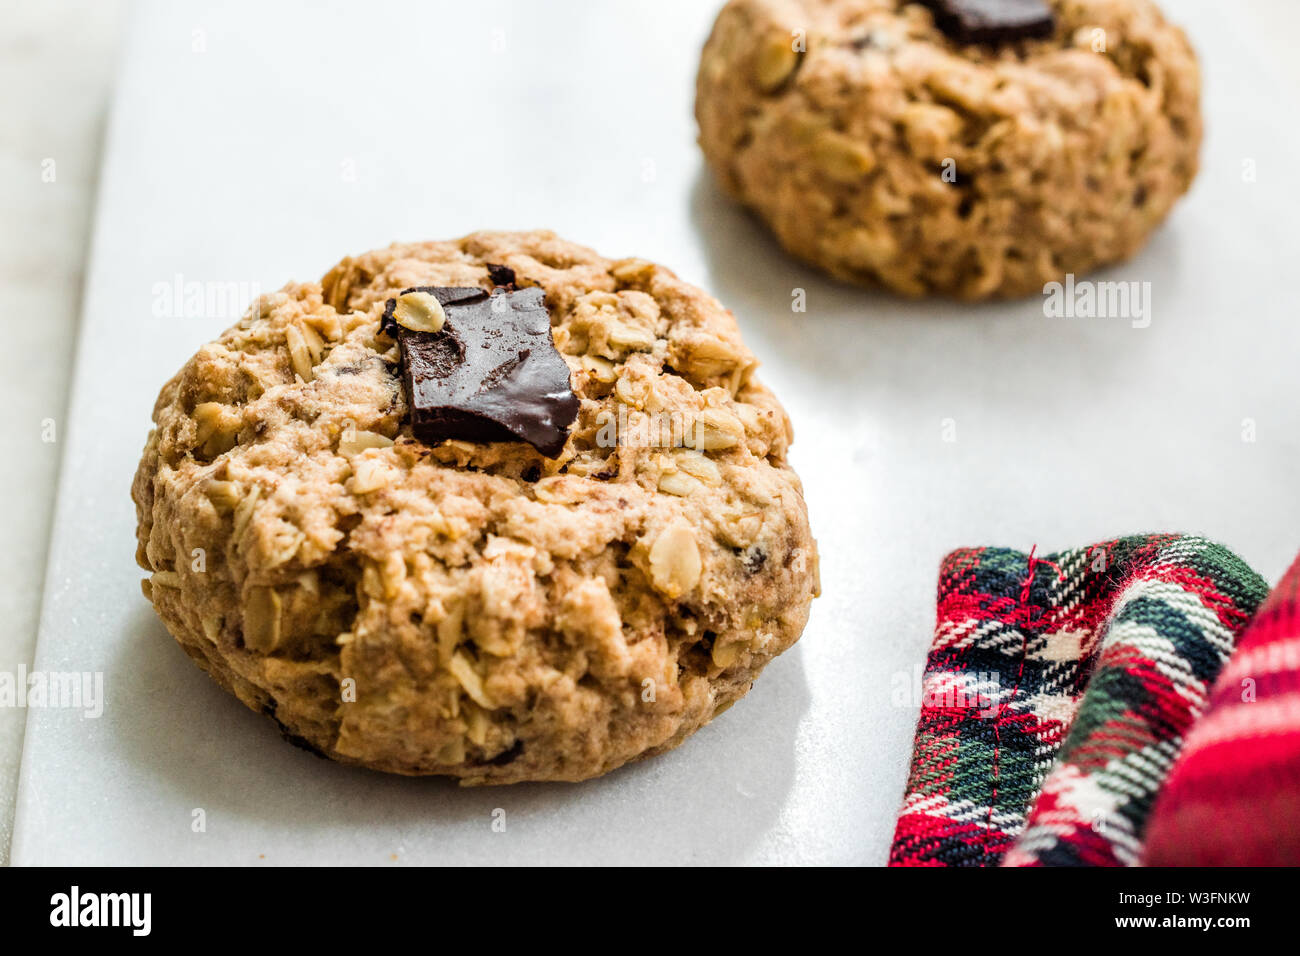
(967, 148)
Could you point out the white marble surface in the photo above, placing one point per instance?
(259, 157)
(56, 63)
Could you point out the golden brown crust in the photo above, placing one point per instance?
(1065, 152)
(478, 610)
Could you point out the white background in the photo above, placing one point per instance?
(232, 163)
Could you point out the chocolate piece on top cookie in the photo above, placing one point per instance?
(992, 21)
(501, 275)
(482, 366)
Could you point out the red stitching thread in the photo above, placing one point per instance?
(1020, 672)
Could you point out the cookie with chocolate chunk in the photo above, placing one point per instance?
(967, 148)
(498, 508)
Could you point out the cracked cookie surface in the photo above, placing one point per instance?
(888, 154)
(478, 610)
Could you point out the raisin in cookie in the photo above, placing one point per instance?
(470, 606)
(933, 148)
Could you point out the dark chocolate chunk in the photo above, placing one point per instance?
(873, 40)
(993, 21)
(508, 756)
(491, 374)
(387, 324)
(501, 275)
(302, 743)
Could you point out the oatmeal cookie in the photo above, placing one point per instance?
(464, 607)
(923, 148)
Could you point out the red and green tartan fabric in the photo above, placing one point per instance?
(1233, 797)
(1056, 695)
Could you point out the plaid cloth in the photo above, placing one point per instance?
(1056, 695)
(1233, 797)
